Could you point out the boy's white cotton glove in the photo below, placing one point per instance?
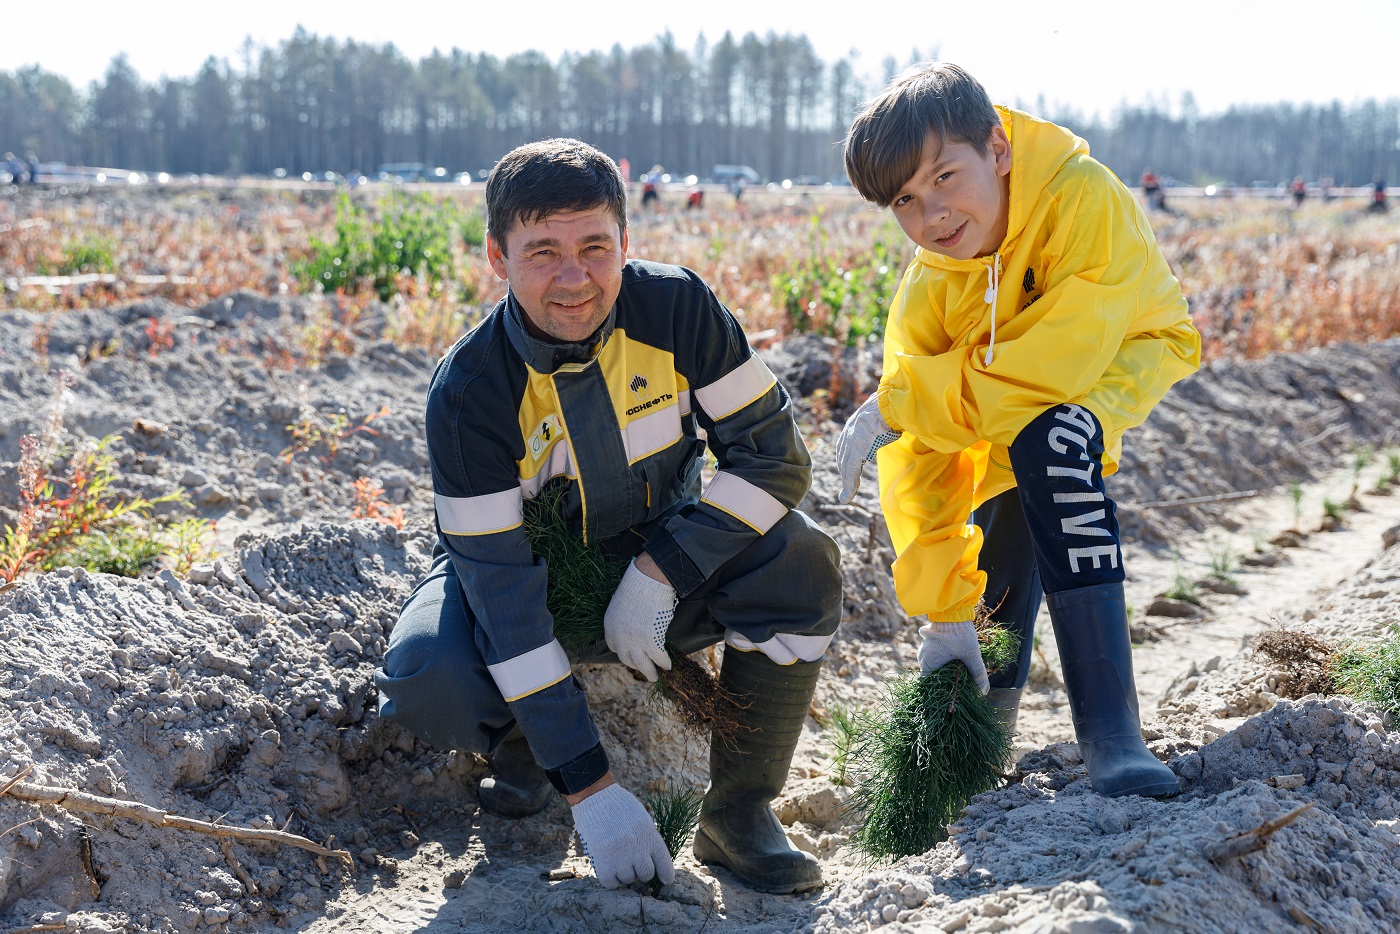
(621, 839)
(865, 433)
(946, 642)
(635, 624)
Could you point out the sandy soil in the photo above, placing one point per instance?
(242, 695)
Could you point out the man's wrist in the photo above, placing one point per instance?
(648, 566)
(592, 789)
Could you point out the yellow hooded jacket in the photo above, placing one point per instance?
(1086, 310)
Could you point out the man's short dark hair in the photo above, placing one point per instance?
(538, 179)
(886, 141)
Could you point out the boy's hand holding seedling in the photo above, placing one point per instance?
(865, 433)
(948, 642)
(638, 616)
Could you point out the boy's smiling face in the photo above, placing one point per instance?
(956, 202)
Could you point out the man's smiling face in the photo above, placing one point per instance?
(565, 270)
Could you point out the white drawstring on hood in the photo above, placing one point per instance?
(993, 285)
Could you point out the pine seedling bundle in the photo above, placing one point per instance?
(582, 579)
(933, 743)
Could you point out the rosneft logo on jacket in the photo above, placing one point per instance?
(650, 403)
(639, 386)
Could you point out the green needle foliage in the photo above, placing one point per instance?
(677, 814)
(1371, 673)
(932, 746)
(582, 577)
(843, 722)
(582, 580)
(1222, 563)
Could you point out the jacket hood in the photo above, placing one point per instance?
(1038, 150)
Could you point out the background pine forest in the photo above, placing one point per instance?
(316, 104)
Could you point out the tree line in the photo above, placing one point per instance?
(316, 104)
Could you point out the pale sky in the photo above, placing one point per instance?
(1090, 55)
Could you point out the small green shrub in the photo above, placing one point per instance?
(1360, 459)
(677, 813)
(125, 551)
(94, 255)
(411, 237)
(1295, 493)
(1183, 588)
(826, 296)
(474, 230)
(923, 758)
(841, 724)
(1222, 562)
(1334, 510)
(1392, 468)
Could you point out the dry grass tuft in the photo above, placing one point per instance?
(1306, 660)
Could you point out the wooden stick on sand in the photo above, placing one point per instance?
(133, 810)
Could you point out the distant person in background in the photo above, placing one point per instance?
(1378, 205)
(696, 199)
(13, 168)
(32, 167)
(1300, 191)
(1324, 187)
(651, 183)
(736, 188)
(1152, 190)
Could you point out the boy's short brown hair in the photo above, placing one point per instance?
(886, 140)
(538, 179)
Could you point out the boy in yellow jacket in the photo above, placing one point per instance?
(1037, 323)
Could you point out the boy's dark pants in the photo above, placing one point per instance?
(1056, 533)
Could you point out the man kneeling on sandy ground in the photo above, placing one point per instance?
(599, 372)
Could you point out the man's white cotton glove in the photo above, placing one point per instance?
(637, 619)
(865, 433)
(946, 642)
(621, 839)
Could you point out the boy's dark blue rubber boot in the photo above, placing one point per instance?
(1007, 703)
(1091, 628)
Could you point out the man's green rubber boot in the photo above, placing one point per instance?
(738, 830)
(517, 786)
(1096, 655)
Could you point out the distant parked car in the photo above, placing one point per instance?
(725, 174)
(401, 172)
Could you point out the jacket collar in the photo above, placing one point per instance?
(544, 356)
